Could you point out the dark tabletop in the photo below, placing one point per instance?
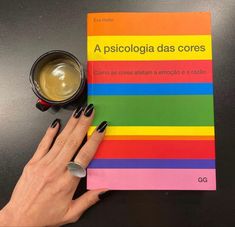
(30, 28)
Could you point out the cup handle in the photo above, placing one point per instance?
(42, 105)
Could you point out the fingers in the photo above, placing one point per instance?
(75, 139)
(47, 140)
(88, 151)
(64, 135)
(80, 205)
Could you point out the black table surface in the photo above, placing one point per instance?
(31, 28)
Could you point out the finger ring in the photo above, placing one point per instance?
(76, 169)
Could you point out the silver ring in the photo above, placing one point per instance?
(76, 169)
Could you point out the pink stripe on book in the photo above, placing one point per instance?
(152, 179)
(185, 71)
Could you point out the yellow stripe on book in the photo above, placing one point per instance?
(179, 47)
(157, 130)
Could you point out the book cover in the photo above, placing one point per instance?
(150, 77)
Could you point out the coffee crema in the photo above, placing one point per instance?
(58, 79)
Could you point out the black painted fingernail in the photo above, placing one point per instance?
(102, 126)
(78, 112)
(55, 122)
(89, 109)
(104, 195)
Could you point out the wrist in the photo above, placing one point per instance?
(6, 217)
(10, 216)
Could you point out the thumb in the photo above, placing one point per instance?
(85, 201)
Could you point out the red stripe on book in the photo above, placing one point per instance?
(150, 71)
(161, 149)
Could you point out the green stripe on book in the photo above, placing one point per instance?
(181, 110)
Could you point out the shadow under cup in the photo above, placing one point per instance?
(57, 78)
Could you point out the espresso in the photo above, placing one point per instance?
(58, 79)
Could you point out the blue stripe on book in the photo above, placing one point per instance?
(151, 89)
(154, 163)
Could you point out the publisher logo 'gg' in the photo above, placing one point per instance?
(202, 179)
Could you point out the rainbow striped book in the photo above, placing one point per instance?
(150, 77)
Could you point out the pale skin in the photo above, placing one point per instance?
(43, 195)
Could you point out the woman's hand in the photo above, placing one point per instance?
(44, 192)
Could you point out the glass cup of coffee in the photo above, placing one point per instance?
(57, 78)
